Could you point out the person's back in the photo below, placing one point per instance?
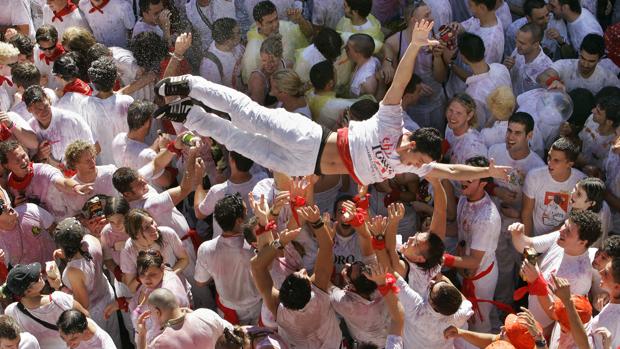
(199, 329)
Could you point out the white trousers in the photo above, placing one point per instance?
(274, 138)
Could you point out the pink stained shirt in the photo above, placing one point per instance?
(200, 329)
(30, 240)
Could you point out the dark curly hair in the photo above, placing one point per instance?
(589, 225)
(102, 73)
(149, 49)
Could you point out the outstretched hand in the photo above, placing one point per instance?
(260, 208)
(500, 172)
(420, 34)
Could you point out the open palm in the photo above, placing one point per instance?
(419, 35)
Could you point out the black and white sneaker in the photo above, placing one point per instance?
(173, 86)
(175, 111)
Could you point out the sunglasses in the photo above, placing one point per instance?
(51, 48)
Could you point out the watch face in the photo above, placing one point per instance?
(379, 237)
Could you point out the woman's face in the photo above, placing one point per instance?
(117, 222)
(579, 199)
(35, 288)
(269, 63)
(152, 277)
(457, 116)
(149, 230)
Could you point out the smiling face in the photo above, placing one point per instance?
(148, 231)
(42, 111)
(516, 137)
(458, 117)
(415, 247)
(139, 188)
(86, 163)
(18, 162)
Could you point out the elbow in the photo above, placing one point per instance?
(199, 214)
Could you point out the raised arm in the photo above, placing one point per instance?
(519, 240)
(561, 288)
(465, 172)
(438, 221)
(324, 265)
(480, 340)
(404, 70)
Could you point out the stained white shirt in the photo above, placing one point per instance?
(366, 319)
(465, 146)
(524, 74)
(73, 19)
(231, 66)
(595, 146)
(111, 27)
(480, 86)
(568, 72)
(585, 24)
(492, 37)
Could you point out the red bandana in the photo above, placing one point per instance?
(23, 183)
(4, 79)
(98, 8)
(65, 11)
(5, 133)
(78, 86)
(59, 51)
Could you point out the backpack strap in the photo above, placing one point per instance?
(213, 58)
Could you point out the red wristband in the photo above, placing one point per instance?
(359, 217)
(171, 148)
(448, 260)
(260, 230)
(296, 202)
(390, 285)
(362, 202)
(551, 79)
(377, 245)
(122, 304)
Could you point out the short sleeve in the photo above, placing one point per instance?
(201, 273)
(63, 300)
(394, 342)
(407, 296)
(19, 121)
(207, 205)
(129, 20)
(160, 202)
(531, 184)
(544, 242)
(318, 14)
(562, 67)
(46, 218)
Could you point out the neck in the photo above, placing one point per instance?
(357, 19)
(203, 3)
(615, 299)
(461, 130)
(292, 103)
(519, 154)
(561, 177)
(137, 135)
(360, 61)
(530, 56)
(105, 95)
(176, 314)
(323, 92)
(488, 19)
(575, 252)
(90, 331)
(239, 177)
(225, 47)
(87, 176)
(571, 16)
(606, 130)
(479, 67)
(230, 233)
(477, 196)
(60, 5)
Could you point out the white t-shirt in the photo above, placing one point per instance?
(612, 181)
(170, 248)
(21, 109)
(524, 74)
(48, 339)
(313, 327)
(585, 24)
(106, 118)
(73, 19)
(608, 318)
(479, 225)
(519, 169)
(595, 146)
(511, 37)
(219, 191)
(373, 144)
(162, 209)
(110, 27)
(424, 326)
(100, 339)
(227, 261)
(43, 189)
(577, 269)
(492, 37)
(141, 27)
(64, 128)
(362, 74)
(16, 13)
(130, 153)
(101, 185)
(551, 198)
(27, 341)
(46, 70)
(71, 101)
(327, 13)
(230, 62)
(346, 250)
(200, 329)
(480, 86)
(568, 72)
(465, 146)
(366, 319)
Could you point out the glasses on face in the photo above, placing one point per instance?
(51, 48)
(154, 253)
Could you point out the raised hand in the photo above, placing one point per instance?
(287, 236)
(561, 288)
(451, 332)
(500, 172)
(310, 214)
(396, 212)
(376, 273)
(283, 198)
(376, 226)
(526, 318)
(260, 208)
(298, 187)
(348, 208)
(516, 229)
(420, 34)
(530, 271)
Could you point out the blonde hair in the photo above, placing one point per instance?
(8, 53)
(75, 150)
(287, 81)
(501, 103)
(78, 39)
(272, 45)
(469, 104)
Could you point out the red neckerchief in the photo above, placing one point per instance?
(98, 8)
(5, 133)
(65, 11)
(78, 86)
(59, 51)
(4, 79)
(23, 183)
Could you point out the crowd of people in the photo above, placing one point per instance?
(310, 174)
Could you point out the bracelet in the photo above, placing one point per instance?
(388, 60)
(260, 230)
(175, 56)
(390, 285)
(318, 224)
(173, 149)
(378, 243)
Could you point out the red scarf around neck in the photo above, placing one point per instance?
(98, 8)
(59, 51)
(65, 11)
(4, 79)
(23, 183)
(78, 86)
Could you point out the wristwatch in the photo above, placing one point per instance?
(379, 237)
(277, 244)
(540, 342)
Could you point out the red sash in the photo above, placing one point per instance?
(78, 86)
(345, 154)
(65, 11)
(229, 314)
(98, 8)
(192, 234)
(469, 291)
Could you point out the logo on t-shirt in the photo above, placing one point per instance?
(381, 154)
(556, 208)
(36, 231)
